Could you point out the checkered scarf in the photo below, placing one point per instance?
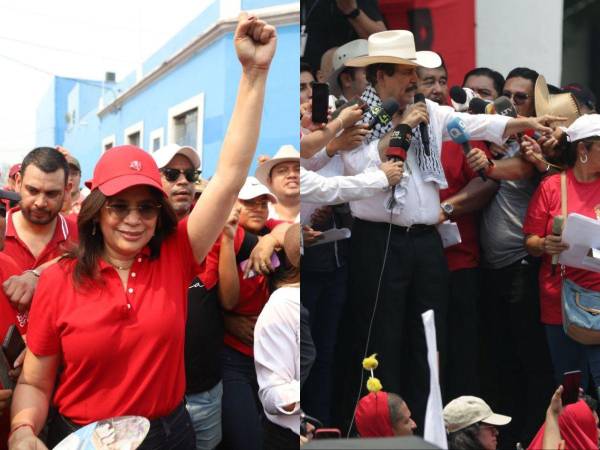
(430, 166)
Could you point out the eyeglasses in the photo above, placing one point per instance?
(173, 174)
(518, 97)
(147, 211)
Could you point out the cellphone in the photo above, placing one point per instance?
(320, 102)
(327, 433)
(13, 344)
(571, 383)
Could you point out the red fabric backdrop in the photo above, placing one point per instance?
(444, 26)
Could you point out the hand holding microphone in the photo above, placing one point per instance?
(459, 134)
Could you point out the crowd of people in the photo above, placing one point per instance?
(144, 293)
(396, 179)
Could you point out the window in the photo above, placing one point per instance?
(134, 134)
(108, 142)
(156, 139)
(186, 122)
(185, 127)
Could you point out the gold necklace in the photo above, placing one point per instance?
(116, 266)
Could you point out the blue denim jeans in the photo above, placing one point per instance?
(242, 428)
(205, 412)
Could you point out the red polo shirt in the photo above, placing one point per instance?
(122, 351)
(458, 174)
(8, 317)
(65, 235)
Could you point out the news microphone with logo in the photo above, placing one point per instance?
(396, 151)
(420, 98)
(504, 107)
(383, 114)
(461, 97)
(459, 134)
(557, 226)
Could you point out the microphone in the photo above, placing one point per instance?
(478, 106)
(504, 107)
(396, 151)
(420, 98)
(341, 105)
(557, 226)
(459, 134)
(461, 97)
(383, 114)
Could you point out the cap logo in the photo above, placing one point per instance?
(135, 165)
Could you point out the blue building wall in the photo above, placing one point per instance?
(213, 71)
(51, 113)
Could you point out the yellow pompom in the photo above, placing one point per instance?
(374, 385)
(371, 362)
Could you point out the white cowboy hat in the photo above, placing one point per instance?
(284, 154)
(350, 50)
(395, 47)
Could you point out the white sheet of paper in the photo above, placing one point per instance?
(333, 234)
(435, 430)
(582, 233)
(449, 233)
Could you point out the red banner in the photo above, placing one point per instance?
(444, 26)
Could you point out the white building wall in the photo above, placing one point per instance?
(520, 33)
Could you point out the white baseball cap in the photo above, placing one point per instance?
(584, 127)
(253, 188)
(467, 410)
(164, 155)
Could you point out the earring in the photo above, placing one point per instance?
(581, 158)
(94, 229)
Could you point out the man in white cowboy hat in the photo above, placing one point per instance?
(348, 83)
(397, 266)
(281, 174)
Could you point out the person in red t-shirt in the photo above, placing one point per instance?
(243, 300)
(582, 157)
(36, 233)
(113, 318)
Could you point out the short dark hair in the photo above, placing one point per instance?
(371, 72)
(305, 67)
(496, 77)
(523, 72)
(465, 439)
(395, 402)
(47, 159)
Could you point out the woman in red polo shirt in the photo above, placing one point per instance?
(113, 318)
(581, 153)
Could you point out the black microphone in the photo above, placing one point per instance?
(504, 107)
(383, 114)
(420, 98)
(557, 226)
(461, 97)
(478, 105)
(396, 151)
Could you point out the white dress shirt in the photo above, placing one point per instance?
(422, 205)
(277, 357)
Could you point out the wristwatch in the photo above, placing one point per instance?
(447, 209)
(352, 14)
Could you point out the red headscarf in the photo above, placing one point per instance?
(373, 416)
(577, 428)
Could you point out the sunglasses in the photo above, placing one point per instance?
(172, 175)
(518, 97)
(147, 211)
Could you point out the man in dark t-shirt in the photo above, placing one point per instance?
(331, 23)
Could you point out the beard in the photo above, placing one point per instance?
(40, 216)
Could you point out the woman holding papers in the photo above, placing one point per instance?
(581, 154)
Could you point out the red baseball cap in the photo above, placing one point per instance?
(13, 170)
(122, 167)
